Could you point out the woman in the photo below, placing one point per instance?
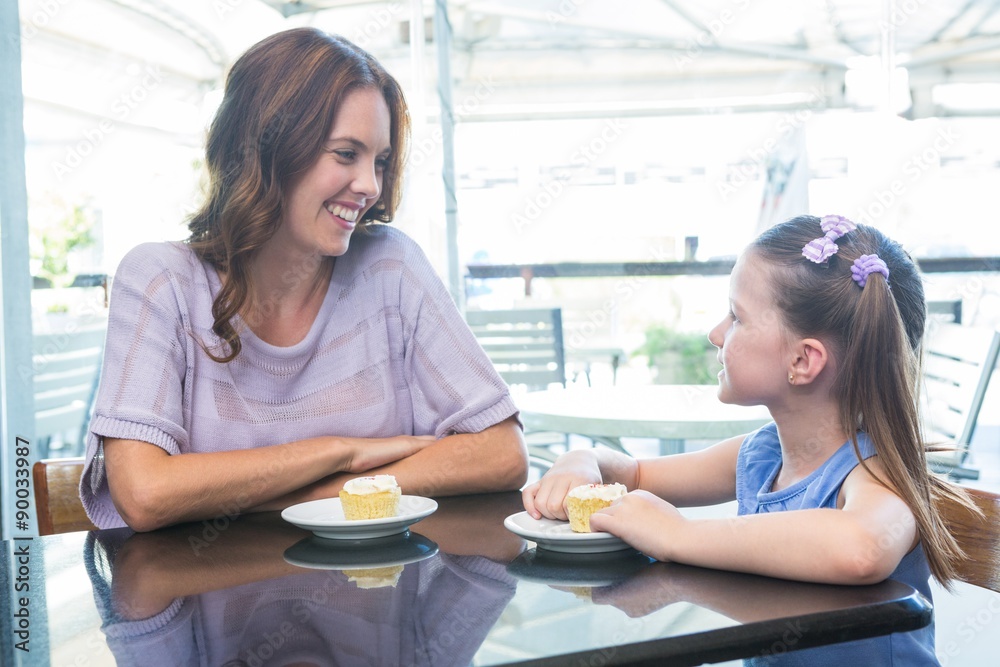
(292, 343)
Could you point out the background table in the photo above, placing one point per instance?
(221, 590)
(671, 413)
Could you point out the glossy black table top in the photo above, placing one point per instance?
(460, 589)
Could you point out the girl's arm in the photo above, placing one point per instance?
(862, 542)
(705, 477)
(696, 478)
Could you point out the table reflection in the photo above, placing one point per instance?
(788, 611)
(460, 588)
(265, 593)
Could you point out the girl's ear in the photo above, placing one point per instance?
(809, 360)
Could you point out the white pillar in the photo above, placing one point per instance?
(442, 39)
(17, 401)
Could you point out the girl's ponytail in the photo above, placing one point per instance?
(862, 294)
(879, 393)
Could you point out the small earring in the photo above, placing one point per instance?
(791, 378)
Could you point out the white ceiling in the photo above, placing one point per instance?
(539, 58)
(731, 54)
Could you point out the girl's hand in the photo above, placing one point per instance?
(547, 497)
(363, 454)
(644, 521)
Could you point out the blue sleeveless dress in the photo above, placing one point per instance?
(756, 469)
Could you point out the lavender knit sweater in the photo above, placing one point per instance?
(389, 354)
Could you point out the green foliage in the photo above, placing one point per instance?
(680, 357)
(55, 238)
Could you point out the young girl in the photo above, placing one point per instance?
(824, 328)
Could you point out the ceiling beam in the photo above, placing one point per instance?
(769, 51)
(982, 45)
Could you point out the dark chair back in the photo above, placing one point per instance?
(946, 311)
(57, 496)
(979, 538)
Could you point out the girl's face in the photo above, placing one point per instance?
(754, 346)
(324, 204)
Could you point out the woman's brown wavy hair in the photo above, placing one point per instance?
(876, 333)
(277, 110)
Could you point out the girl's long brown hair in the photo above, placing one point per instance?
(876, 334)
(277, 110)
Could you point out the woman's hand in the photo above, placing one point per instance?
(644, 521)
(363, 454)
(547, 497)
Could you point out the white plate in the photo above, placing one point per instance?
(322, 554)
(325, 518)
(557, 535)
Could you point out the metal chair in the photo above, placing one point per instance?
(525, 346)
(65, 368)
(946, 311)
(57, 496)
(957, 365)
(537, 466)
(979, 538)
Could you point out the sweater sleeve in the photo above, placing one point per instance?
(141, 393)
(453, 385)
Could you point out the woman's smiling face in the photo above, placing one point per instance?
(323, 205)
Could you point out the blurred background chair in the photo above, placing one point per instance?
(526, 348)
(57, 496)
(979, 537)
(525, 345)
(957, 365)
(945, 311)
(537, 466)
(66, 367)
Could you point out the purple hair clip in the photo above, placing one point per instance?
(866, 265)
(834, 226)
